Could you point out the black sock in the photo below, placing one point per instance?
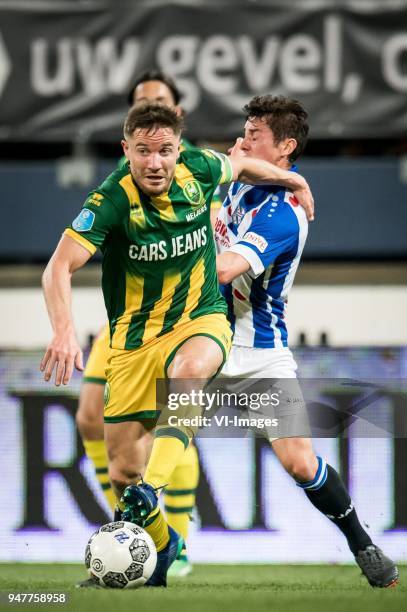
(332, 499)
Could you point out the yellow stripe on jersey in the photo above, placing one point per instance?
(182, 175)
(196, 282)
(156, 317)
(134, 298)
(78, 238)
(163, 205)
(136, 209)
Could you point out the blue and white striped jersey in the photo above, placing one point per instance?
(268, 228)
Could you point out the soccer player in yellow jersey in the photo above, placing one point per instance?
(179, 495)
(151, 220)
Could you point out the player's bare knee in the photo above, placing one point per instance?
(302, 469)
(89, 417)
(189, 367)
(89, 426)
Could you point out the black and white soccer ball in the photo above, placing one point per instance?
(120, 555)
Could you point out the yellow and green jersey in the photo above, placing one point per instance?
(216, 201)
(159, 261)
(185, 145)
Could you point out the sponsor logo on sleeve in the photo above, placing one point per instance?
(84, 221)
(256, 240)
(96, 199)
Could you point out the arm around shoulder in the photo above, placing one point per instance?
(260, 172)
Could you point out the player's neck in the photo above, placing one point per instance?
(284, 163)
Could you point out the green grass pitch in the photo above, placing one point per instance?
(227, 588)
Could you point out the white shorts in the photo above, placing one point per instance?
(250, 362)
(264, 363)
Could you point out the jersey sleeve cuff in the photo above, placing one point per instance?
(78, 238)
(227, 174)
(250, 256)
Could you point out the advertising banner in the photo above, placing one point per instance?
(66, 67)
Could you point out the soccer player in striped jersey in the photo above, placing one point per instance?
(179, 495)
(260, 233)
(151, 220)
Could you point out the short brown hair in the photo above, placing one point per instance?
(151, 115)
(286, 117)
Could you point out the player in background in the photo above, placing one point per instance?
(151, 220)
(260, 233)
(179, 495)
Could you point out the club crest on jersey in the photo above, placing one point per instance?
(193, 192)
(84, 221)
(238, 214)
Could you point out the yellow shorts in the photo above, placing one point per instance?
(95, 370)
(132, 374)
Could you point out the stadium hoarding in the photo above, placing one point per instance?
(67, 77)
(248, 509)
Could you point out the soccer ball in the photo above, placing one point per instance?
(120, 555)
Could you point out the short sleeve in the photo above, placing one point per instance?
(268, 236)
(219, 165)
(95, 221)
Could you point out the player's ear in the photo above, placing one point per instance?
(179, 110)
(125, 146)
(179, 137)
(289, 146)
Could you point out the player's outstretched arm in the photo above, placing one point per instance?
(260, 172)
(63, 352)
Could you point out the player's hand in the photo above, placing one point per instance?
(62, 355)
(304, 196)
(236, 150)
